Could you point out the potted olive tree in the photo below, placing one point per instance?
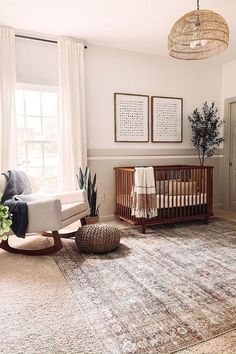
(5, 222)
(88, 183)
(206, 134)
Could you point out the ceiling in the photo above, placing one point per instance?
(136, 25)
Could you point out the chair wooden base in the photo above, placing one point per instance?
(44, 251)
(62, 235)
(65, 234)
(41, 252)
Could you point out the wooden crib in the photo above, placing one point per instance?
(183, 192)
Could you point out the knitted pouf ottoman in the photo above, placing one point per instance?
(97, 238)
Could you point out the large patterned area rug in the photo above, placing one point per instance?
(158, 293)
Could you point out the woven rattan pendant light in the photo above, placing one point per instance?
(199, 34)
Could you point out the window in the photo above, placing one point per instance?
(37, 119)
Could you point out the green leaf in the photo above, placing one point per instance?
(87, 182)
(206, 136)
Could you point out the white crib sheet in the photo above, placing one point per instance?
(165, 201)
(174, 201)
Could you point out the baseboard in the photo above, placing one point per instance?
(105, 218)
(217, 206)
(114, 217)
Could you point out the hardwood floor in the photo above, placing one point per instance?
(225, 214)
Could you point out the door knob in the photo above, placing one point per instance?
(230, 164)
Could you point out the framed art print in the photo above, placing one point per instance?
(131, 113)
(167, 119)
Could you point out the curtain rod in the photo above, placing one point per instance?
(39, 39)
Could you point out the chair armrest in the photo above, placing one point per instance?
(44, 215)
(72, 197)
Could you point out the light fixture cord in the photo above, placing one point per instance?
(198, 19)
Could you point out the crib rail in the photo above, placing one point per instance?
(183, 192)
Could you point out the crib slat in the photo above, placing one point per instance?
(189, 178)
(180, 197)
(159, 195)
(210, 192)
(127, 194)
(192, 206)
(204, 188)
(168, 194)
(203, 191)
(129, 197)
(172, 193)
(132, 185)
(196, 192)
(176, 193)
(116, 183)
(184, 174)
(118, 191)
(200, 191)
(123, 194)
(164, 192)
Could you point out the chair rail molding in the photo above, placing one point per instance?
(130, 153)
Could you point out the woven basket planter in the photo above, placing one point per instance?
(97, 238)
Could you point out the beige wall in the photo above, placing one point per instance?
(229, 80)
(110, 70)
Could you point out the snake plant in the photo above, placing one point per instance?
(88, 183)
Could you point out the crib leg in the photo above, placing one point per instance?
(143, 227)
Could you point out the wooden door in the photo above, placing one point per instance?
(232, 158)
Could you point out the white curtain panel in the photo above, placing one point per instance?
(72, 100)
(7, 99)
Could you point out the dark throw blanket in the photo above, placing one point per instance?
(17, 183)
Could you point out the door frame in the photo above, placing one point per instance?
(226, 159)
